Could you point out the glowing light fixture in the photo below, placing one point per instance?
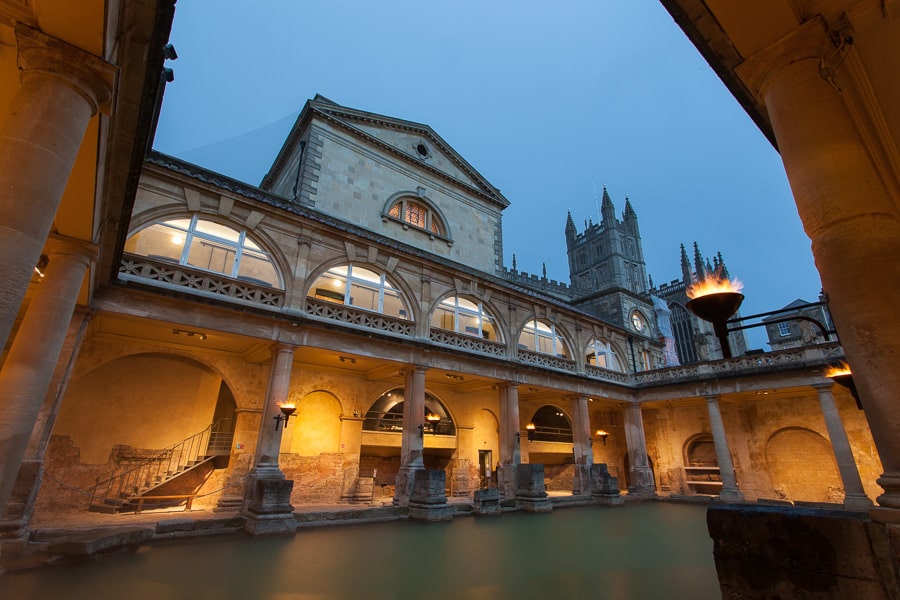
(287, 409)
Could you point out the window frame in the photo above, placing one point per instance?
(479, 314)
(557, 340)
(365, 283)
(435, 226)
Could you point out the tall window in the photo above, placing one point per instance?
(684, 334)
(195, 242)
(542, 337)
(419, 215)
(602, 354)
(464, 316)
(356, 286)
(784, 329)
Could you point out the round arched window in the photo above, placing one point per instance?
(360, 287)
(539, 336)
(464, 316)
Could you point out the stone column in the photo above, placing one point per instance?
(40, 134)
(413, 442)
(268, 504)
(729, 492)
(584, 455)
(640, 475)
(848, 213)
(854, 495)
(29, 366)
(510, 442)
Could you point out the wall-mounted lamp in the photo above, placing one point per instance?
(530, 430)
(602, 434)
(841, 375)
(286, 411)
(188, 333)
(433, 420)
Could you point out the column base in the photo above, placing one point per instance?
(890, 482)
(405, 482)
(581, 484)
(857, 503)
(605, 487)
(267, 508)
(731, 496)
(506, 481)
(531, 492)
(641, 483)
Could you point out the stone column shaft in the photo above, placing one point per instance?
(584, 455)
(850, 216)
(268, 444)
(640, 476)
(29, 367)
(40, 135)
(730, 490)
(855, 496)
(510, 443)
(412, 444)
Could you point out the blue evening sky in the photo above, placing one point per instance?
(548, 101)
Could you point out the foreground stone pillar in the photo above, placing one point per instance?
(854, 495)
(20, 506)
(640, 475)
(848, 213)
(531, 490)
(605, 487)
(584, 455)
(428, 501)
(413, 442)
(29, 366)
(268, 506)
(729, 492)
(40, 134)
(510, 448)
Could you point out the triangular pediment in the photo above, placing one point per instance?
(415, 143)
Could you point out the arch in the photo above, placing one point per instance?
(604, 354)
(127, 401)
(411, 209)
(467, 315)
(700, 451)
(317, 425)
(362, 285)
(540, 335)
(210, 243)
(802, 466)
(386, 413)
(551, 424)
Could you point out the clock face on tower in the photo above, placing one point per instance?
(637, 321)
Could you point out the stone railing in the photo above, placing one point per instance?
(356, 316)
(172, 275)
(467, 342)
(546, 360)
(606, 374)
(782, 360)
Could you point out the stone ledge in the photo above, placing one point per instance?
(101, 540)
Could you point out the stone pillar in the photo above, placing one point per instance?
(584, 454)
(510, 442)
(29, 366)
(729, 492)
(848, 213)
(268, 504)
(20, 506)
(640, 475)
(413, 442)
(854, 495)
(40, 134)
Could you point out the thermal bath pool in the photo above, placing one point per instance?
(642, 551)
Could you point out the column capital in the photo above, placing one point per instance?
(89, 75)
(823, 386)
(409, 369)
(809, 41)
(58, 245)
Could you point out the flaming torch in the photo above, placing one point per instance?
(841, 375)
(715, 299)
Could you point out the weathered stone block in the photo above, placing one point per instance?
(604, 487)
(101, 540)
(487, 502)
(429, 500)
(531, 495)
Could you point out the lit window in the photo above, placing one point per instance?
(417, 214)
(542, 337)
(206, 245)
(464, 316)
(362, 288)
(602, 354)
(784, 329)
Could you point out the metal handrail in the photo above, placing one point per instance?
(133, 480)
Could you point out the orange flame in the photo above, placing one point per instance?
(838, 370)
(714, 283)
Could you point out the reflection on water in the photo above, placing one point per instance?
(644, 551)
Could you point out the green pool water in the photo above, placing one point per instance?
(652, 551)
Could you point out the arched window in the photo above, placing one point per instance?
(386, 414)
(549, 424)
(601, 353)
(464, 316)
(202, 244)
(417, 214)
(360, 287)
(542, 337)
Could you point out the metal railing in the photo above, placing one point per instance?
(133, 478)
